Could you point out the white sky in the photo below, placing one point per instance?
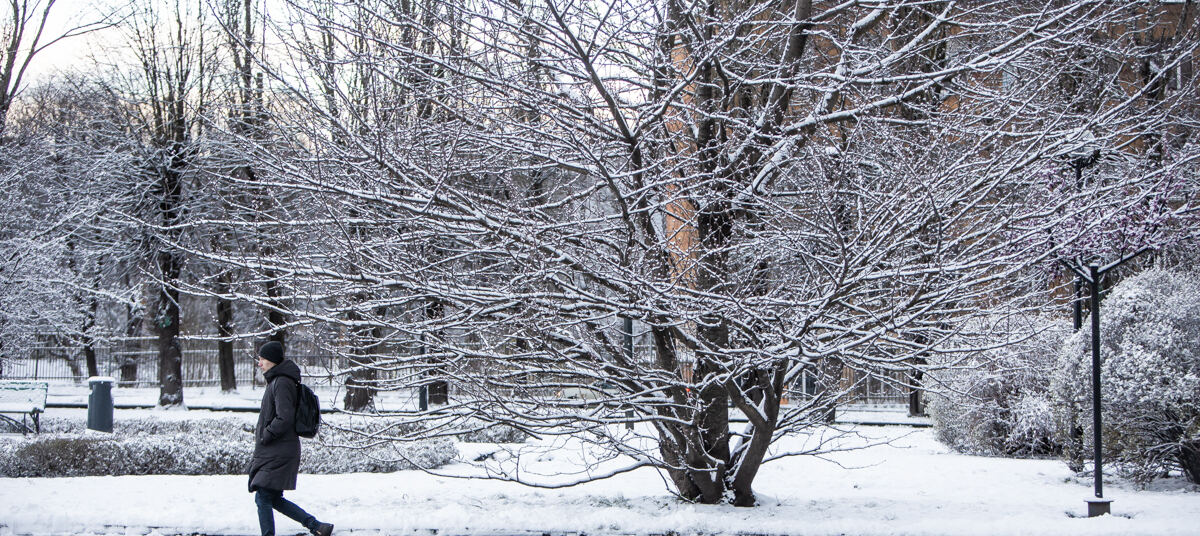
(77, 52)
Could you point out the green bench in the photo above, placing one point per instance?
(27, 398)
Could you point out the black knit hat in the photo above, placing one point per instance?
(271, 351)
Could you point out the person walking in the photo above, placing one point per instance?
(276, 446)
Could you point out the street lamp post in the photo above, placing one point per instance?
(1098, 505)
(1084, 157)
(627, 324)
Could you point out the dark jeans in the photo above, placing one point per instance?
(272, 499)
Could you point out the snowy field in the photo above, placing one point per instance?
(912, 485)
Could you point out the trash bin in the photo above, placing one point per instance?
(100, 403)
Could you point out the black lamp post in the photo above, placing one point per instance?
(1081, 158)
(627, 324)
(1098, 505)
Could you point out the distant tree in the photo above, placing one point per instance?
(23, 31)
(73, 255)
(23, 36)
(241, 130)
(166, 98)
(353, 98)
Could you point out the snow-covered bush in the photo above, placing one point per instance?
(1150, 377)
(479, 432)
(359, 449)
(154, 426)
(996, 400)
(195, 447)
(93, 454)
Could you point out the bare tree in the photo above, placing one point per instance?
(769, 193)
(246, 126)
(167, 96)
(353, 99)
(23, 30)
(65, 184)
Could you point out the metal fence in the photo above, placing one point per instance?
(877, 388)
(199, 356)
(200, 368)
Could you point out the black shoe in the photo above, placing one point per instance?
(323, 529)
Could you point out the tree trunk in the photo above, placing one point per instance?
(916, 397)
(360, 386)
(129, 361)
(1189, 460)
(705, 446)
(89, 356)
(89, 323)
(4, 105)
(225, 331)
(275, 319)
(1075, 451)
(73, 364)
(170, 265)
(170, 356)
(89, 342)
(439, 390)
(672, 442)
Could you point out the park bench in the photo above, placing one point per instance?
(27, 398)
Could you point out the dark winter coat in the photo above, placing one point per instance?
(276, 445)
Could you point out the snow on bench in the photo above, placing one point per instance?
(25, 398)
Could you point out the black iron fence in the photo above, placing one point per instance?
(200, 368)
(880, 388)
(140, 356)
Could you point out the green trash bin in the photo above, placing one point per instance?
(100, 404)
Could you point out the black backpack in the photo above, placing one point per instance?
(308, 412)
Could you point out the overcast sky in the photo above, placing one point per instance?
(74, 53)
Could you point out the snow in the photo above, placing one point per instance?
(886, 414)
(911, 485)
(246, 397)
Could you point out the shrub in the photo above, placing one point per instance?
(1150, 377)
(194, 447)
(229, 427)
(996, 401)
(495, 433)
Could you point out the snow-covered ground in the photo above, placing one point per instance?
(248, 397)
(910, 485)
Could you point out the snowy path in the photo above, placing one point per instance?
(912, 487)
